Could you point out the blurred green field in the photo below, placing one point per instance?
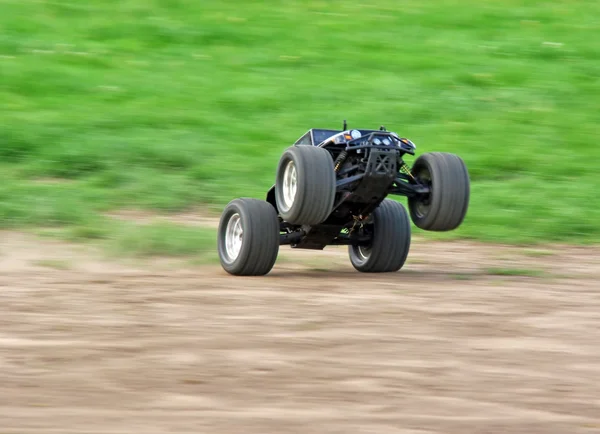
(171, 104)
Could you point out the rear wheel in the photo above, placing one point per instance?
(248, 237)
(445, 206)
(305, 185)
(390, 244)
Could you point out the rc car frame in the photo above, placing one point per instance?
(331, 188)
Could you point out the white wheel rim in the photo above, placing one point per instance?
(290, 185)
(234, 234)
(363, 253)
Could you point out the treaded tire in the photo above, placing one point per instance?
(259, 239)
(313, 195)
(445, 208)
(391, 241)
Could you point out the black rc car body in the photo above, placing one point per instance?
(332, 187)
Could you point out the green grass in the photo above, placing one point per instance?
(159, 239)
(462, 276)
(523, 272)
(537, 253)
(57, 264)
(163, 238)
(171, 104)
(127, 239)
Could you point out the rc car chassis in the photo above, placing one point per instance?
(331, 188)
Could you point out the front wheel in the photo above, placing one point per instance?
(390, 242)
(248, 237)
(445, 206)
(305, 185)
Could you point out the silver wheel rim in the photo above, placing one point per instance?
(361, 254)
(234, 234)
(290, 185)
(364, 252)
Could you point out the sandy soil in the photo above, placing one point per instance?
(89, 345)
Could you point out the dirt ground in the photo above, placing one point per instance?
(467, 338)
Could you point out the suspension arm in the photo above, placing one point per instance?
(403, 188)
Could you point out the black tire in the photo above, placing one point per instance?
(314, 193)
(445, 207)
(391, 240)
(259, 238)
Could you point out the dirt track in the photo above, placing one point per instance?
(91, 346)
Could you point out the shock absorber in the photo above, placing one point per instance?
(404, 168)
(340, 160)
